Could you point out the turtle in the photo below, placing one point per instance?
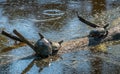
(97, 32)
(45, 47)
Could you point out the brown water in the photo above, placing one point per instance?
(57, 20)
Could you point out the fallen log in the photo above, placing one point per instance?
(83, 43)
(41, 44)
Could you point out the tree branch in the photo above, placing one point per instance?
(11, 36)
(24, 39)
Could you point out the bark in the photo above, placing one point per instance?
(83, 43)
(79, 43)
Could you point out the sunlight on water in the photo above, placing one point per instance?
(57, 20)
(107, 17)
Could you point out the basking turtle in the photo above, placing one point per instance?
(42, 47)
(97, 32)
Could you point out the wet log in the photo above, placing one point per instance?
(75, 44)
(83, 43)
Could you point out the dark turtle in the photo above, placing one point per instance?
(45, 47)
(97, 32)
(42, 47)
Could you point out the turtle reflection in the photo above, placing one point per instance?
(40, 63)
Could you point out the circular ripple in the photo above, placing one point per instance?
(53, 12)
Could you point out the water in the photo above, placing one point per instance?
(57, 20)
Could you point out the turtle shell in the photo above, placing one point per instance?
(97, 32)
(43, 47)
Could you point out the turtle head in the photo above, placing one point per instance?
(56, 45)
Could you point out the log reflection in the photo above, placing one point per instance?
(98, 6)
(96, 65)
(40, 63)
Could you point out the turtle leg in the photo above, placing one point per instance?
(105, 27)
(105, 35)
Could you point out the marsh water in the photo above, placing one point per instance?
(57, 20)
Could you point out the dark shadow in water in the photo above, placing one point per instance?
(98, 6)
(116, 36)
(41, 63)
(104, 63)
(96, 62)
(96, 65)
(96, 41)
(100, 65)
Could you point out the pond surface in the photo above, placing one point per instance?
(57, 20)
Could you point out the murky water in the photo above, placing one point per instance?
(57, 20)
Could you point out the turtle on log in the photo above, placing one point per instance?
(43, 47)
(97, 32)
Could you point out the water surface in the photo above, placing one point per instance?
(57, 20)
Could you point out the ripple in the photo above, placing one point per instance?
(44, 20)
(53, 12)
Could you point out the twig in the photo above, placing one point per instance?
(24, 39)
(11, 36)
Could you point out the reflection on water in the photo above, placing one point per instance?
(98, 6)
(57, 20)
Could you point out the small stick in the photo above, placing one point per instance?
(11, 36)
(87, 22)
(24, 39)
(28, 67)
